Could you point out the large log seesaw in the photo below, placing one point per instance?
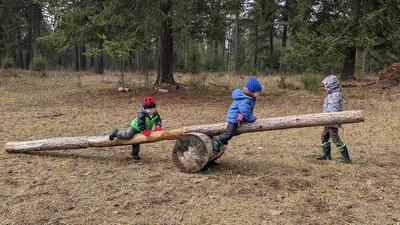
(193, 148)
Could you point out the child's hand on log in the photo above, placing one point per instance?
(239, 118)
(146, 133)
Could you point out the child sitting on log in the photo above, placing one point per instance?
(147, 117)
(240, 111)
(333, 103)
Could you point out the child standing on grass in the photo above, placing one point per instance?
(333, 103)
(147, 117)
(241, 110)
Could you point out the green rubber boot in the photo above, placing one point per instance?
(344, 155)
(326, 152)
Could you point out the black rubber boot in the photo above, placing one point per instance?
(113, 134)
(135, 152)
(217, 145)
(326, 152)
(344, 155)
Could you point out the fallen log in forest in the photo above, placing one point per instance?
(266, 124)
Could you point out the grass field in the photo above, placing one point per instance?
(263, 178)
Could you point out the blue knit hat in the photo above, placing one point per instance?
(253, 85)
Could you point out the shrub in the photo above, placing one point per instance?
(284, 84)
(7, 62)
(38, 64)
(311, 82)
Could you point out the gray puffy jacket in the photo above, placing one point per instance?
(333, 101)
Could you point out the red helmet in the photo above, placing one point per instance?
(149, 102)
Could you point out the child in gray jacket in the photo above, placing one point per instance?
(333, 103)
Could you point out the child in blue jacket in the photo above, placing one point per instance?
(241, 110)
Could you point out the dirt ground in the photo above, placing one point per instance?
(263, 178)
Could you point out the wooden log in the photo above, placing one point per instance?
(192, 152)
(277, 123)
(46, 144)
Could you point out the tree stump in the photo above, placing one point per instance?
(193, 151)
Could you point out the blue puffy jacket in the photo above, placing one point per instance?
(243, 104)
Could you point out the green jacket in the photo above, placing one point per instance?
(144, 121)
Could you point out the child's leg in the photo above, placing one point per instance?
(326, 145)
(325, 136)
(126, 135)
(345, 157)
(227, 135)
(334, 134)
(135, 151)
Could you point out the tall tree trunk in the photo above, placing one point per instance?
(285, 19)
(284, 36)
(35, 27)
(229, 54)
(24, 65)
(76, 58)
(19, 59)
(348, 63)
(187, 49)
(28, 58)
(144, 62)
(255, 50)
(365, 62)
(132, 60)
(59, 61)
(271, 48)
(19, 62)
(100, 63)
(350, 51)
(223, 54)
(158, 61)
(165, 75)
(83, 57)
(237, 46)
(137, 61)
(92, 63)
(215, 50)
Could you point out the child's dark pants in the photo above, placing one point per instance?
(229, 132)
(331, 132)
(126, 135)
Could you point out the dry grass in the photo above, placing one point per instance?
(264, 178)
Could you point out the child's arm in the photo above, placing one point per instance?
(141, 119)
(246, 109)
(158, 121)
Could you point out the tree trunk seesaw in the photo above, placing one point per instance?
(193, 149)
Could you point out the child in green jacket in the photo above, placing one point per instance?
(147, 117)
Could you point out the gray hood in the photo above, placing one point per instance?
(331, 83)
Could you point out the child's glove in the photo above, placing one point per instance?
(146, 133)
(239, 118)
(158, 129)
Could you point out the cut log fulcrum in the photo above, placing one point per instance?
(193, 149)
